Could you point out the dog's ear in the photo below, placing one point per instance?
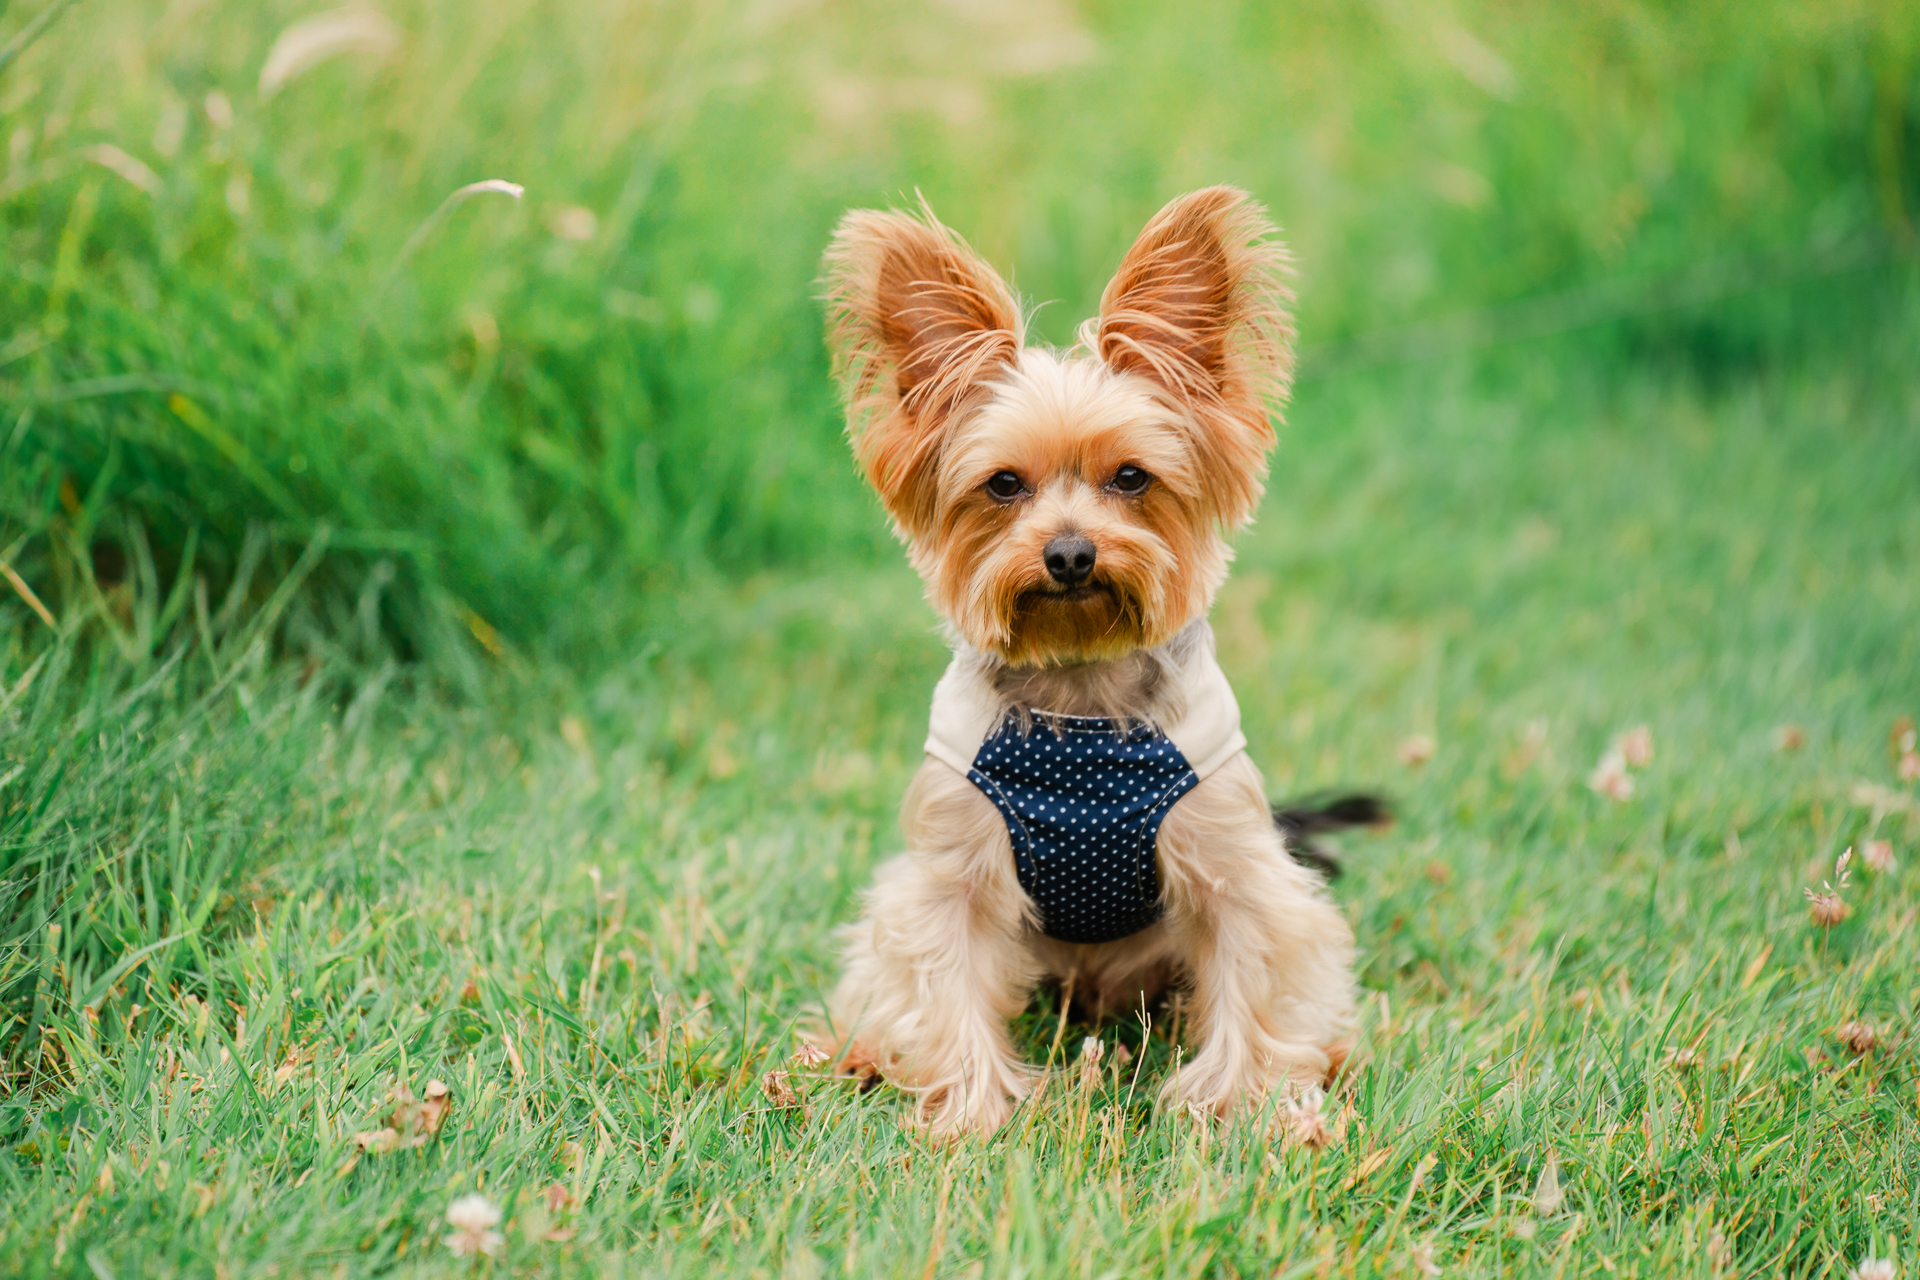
(917, 323)
(1199, 306)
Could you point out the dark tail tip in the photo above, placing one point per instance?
(1302, 820)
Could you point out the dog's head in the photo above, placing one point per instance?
(1065, 507)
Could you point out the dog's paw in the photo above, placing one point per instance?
(947, 1112)
(859, 1063)
(1219, 1087)
(945, 1122)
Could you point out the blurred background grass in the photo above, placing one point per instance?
(217, 344)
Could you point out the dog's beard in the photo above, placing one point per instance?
(1098, 619)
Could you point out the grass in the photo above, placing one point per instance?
(473, 658)
(534, 414)
(634, 879)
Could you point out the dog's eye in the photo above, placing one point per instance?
(1129, 480)
(1006, 486)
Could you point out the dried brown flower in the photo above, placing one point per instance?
(1091, 1053)
(1827, 909)
(1635, 746)
(1610, 777)
(811, 1055)
(1416, 749)
(780, 1091)
(1306, 1122)
(1859, 1037)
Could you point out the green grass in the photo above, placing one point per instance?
(639, 874)
(534, 430)
(494, 648)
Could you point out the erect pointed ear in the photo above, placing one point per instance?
(1199, 306)
(917, 323)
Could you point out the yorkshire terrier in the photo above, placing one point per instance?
(1086, 810)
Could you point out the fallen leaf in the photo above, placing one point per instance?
(1367, 1168)
(433, 1109)
(412, 1122)
(513, 1056)
(1547, 1196)
(377, 1141)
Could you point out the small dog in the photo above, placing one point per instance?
(1087, 810)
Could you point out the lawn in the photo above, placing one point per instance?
(533, 734)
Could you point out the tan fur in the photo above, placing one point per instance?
(1177, 376)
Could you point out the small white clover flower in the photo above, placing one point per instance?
(473, 1219)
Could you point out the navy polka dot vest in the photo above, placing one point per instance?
(1084, 798)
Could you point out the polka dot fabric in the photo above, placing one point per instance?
(1083, 799)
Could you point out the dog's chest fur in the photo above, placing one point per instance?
(1138, 686)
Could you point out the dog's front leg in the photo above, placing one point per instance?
(938, 964)
(1268, 956)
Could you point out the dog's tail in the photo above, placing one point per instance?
(1301, 820)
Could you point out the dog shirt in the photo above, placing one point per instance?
(1083, 796)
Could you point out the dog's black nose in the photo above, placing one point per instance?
(1069, 559)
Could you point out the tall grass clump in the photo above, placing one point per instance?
(237, 301)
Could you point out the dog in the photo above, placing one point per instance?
(1086, 811)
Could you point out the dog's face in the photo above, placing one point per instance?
(1065, 508)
